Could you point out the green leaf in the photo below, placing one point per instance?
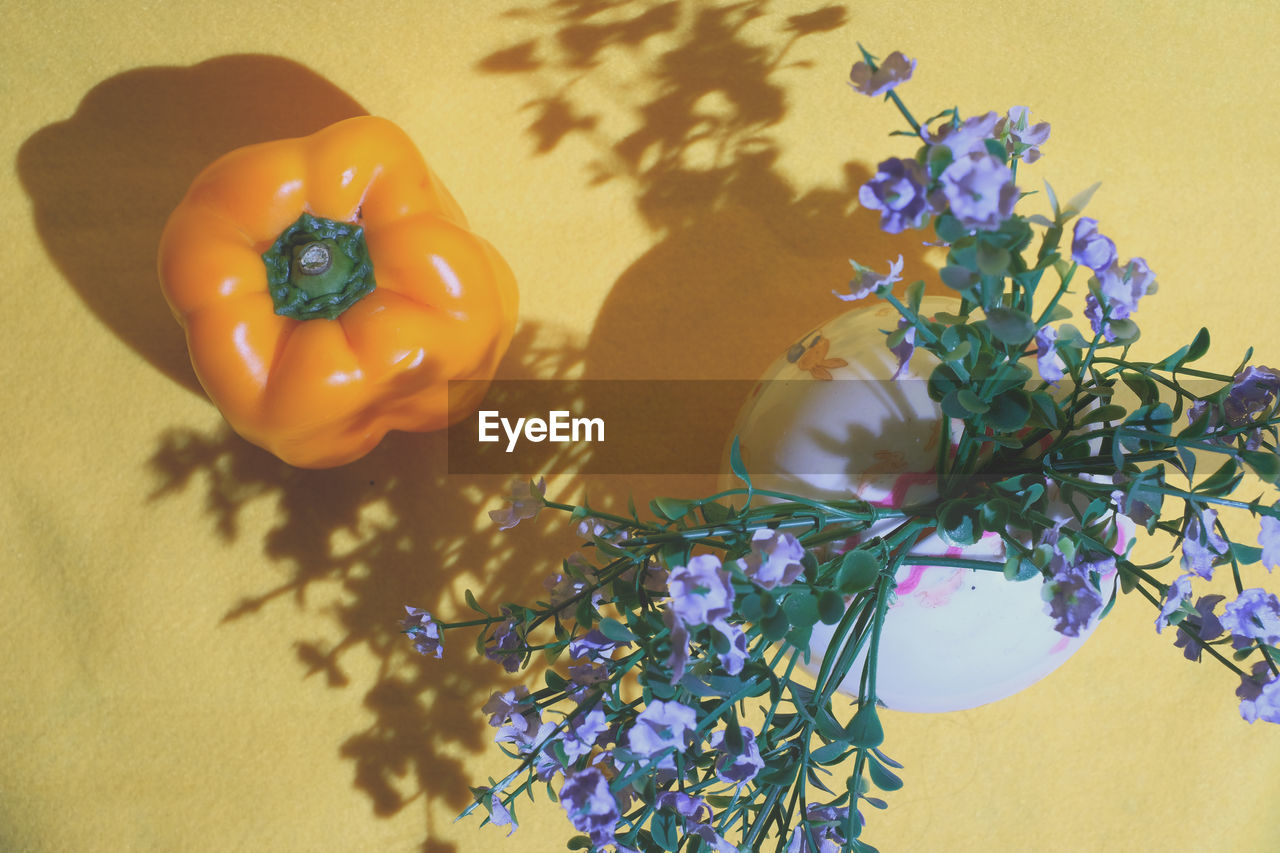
(882, 777)
(956, 523)
(663, 827)
(669, 508)
(971, 401)
(1010, 411)
(915, 293)
(714, 512)
(993, 260)
(1010, 326)
(1032, 494)
(1246, 555)
(751, 607)
(473, 604)
(830, 607)
(858, 571)
(579, 842)
(949, 229)
(1071, 337)
(864, 729)
(1053, 201)
(616, 631)
(1175, 360)
(1199, 346)
(957, 278)
(735, 463)
(1103, 413)
(1224, 478)
(1144, 387)
(937, 160)
(1264, 463)
(1046, 409)
(801, 609)
(832, 753)
(776, 625)
(951, 406)
(1125, 331)
(1078, 203)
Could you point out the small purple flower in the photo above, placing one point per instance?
(730, 645)
(1120, 289)
(774, 558)
(525, 500)
(1070, 595)
(526, 731)
(590, 805)
(905, 348)
(867, 280)
(425, 631)
(561, 589)
(502, 646)
(678, 802)
(1090, 248)
(679, 657)
(1022, 138)
(1203, 624)
(1179, 591)
(587, 675)
(895, 69)
(1253, 391)
(584, 734)
(737, 768)
(1048, 362)
(1269, 539)
(898, 192)
(595, 528)
(1201, 544)
(826, 825)
(502, 705)
(592, 645)
(969, 137)
(697, 815)
(712, 841)
(1259, 699)
(980, 191)
(500, 816)
(1254, 614)
(1137, 510)
(700, 591)
(660, 726)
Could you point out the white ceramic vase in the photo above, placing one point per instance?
(828, 420)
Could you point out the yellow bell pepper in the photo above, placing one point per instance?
(330, 288)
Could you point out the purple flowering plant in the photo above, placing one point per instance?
(669, 719)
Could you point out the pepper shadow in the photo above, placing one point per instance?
(104, 181)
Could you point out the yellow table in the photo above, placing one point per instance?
(201, 643)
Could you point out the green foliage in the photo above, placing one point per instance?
(1060, 470)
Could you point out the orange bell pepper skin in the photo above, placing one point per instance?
(320, 392)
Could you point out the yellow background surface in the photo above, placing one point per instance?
(201, 648)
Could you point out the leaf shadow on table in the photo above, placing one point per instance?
(741, 264)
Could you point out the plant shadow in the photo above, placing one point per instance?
(742, 263)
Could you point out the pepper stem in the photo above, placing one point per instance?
(318, 268)
(313, 258)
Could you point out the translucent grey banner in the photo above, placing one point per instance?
(842, 433)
